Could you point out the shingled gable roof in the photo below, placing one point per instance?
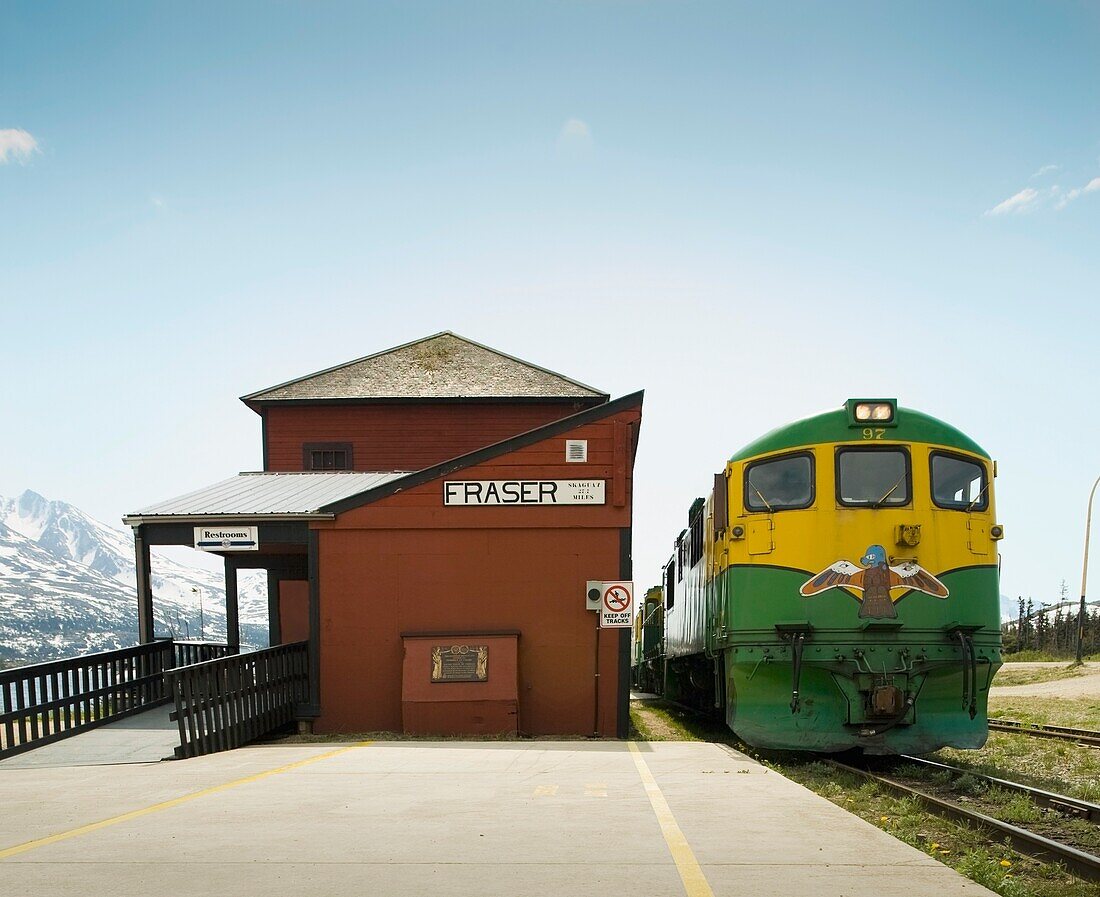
(547, 431)
(441, 367)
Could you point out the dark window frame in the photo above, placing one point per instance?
(906, 454)
(986, 481)
(696, 548)
(309, 448)
(746, 492)
(670, 583)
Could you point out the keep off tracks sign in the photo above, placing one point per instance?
(617, 605)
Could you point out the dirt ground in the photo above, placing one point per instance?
(1086, 685)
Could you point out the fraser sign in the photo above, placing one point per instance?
(523, 492)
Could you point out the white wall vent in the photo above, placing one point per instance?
(576, 451)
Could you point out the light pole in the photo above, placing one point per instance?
(1085, 575)
(202, 626)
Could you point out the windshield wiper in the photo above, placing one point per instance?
(977, 498)
(889, 492)
(760, 494)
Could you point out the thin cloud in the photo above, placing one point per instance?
(1046, 169)
(1023, 201)
(1069, 196)
(575, 137)
(16, 145)
(1029, 199)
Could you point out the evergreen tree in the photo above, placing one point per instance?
(1020, 624)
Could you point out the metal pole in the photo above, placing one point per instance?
(596, 684)
(1085, 576)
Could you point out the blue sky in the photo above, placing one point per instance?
(751, 211)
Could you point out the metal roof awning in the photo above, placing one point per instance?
(265, 496)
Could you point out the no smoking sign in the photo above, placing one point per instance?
(617, 605)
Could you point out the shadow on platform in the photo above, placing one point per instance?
(147, 737)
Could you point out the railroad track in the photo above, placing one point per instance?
(1067, 806)
(1081, 736)
(1085, 865)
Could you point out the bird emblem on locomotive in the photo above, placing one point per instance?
(877, 580)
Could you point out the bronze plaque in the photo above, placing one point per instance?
(460, 663)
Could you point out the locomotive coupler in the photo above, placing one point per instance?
(795, 634)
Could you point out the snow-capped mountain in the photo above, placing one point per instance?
(68, 586)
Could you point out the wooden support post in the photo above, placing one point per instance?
(314, 562)
(144, 587)
(274, 621)
(232, 621)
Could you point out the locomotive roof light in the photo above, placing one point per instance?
(872, 412)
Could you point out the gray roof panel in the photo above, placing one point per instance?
(281, 495)
(443, 366)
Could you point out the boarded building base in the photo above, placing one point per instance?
(463, 683)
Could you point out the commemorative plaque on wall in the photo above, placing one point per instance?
(460, 663)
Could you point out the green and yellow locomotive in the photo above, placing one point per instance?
(839, 587)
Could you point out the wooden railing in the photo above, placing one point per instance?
(189, 651)
(224, 703)
(49, 701)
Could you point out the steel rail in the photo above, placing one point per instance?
(1062, 803)
(1082, 736)
(1085, 865)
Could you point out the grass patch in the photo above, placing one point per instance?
(1058, 766)
(1031, 656)
(1008, 675)
(658, 721)
(1077, 713)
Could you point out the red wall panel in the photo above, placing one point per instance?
(407, 563)
(401, 436)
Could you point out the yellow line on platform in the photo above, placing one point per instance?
(691, 873)
(168, 804)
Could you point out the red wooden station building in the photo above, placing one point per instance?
(429, 517)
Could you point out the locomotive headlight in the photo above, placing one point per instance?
(867, 411)
(862, 412)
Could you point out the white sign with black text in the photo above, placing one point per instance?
(227, 538)
(523, 492)
(617, 605)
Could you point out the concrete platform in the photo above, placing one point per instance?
(147, 737)
(409, 818)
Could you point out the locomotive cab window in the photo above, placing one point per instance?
(959, 483)
(780, 484)
(873, 478)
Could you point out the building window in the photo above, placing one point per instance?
(327, 456)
